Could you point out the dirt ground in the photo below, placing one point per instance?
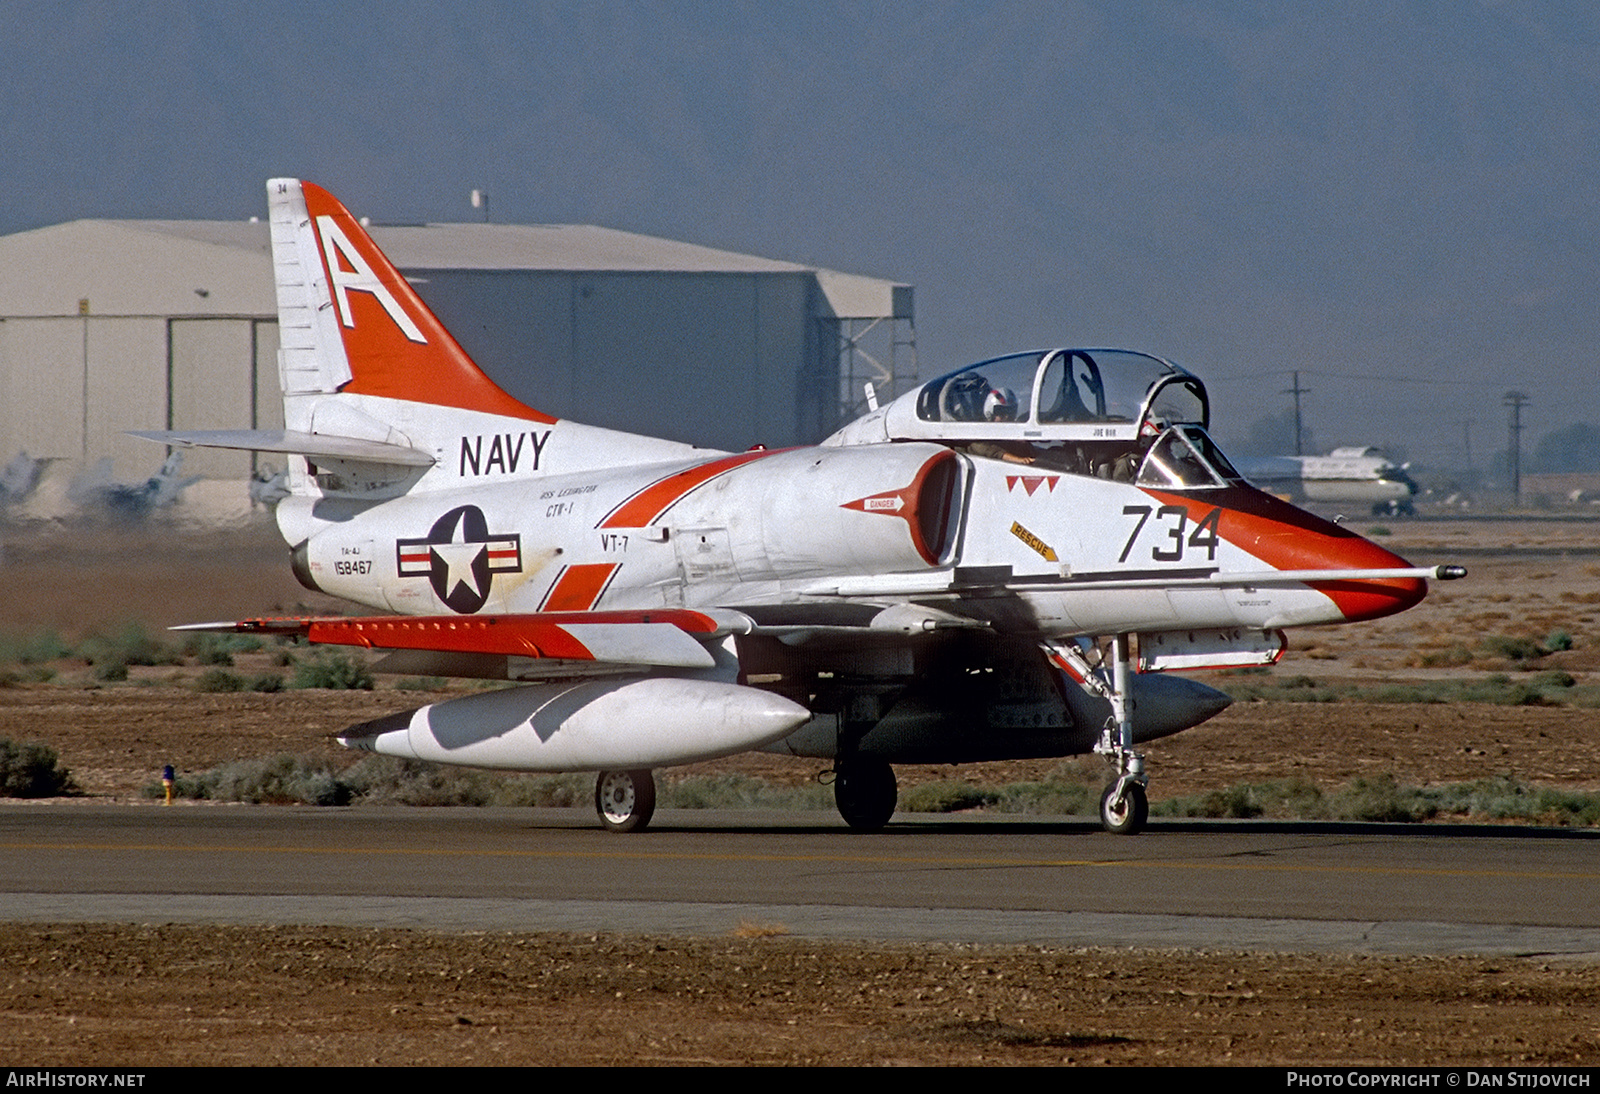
(131, 996)
(140, 996)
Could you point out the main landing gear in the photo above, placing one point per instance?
(865, 790)
(625, 800)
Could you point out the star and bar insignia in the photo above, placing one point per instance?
(459, 557)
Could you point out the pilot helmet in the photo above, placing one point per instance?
(1000, 405)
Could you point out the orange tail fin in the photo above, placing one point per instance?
(349, 321)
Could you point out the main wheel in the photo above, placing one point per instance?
(865, 791)
(625, 800)
(1124, 817)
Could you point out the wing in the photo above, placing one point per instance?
(517, 647)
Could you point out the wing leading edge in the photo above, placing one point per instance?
(589, 641)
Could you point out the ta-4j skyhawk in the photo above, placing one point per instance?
(1000, 564)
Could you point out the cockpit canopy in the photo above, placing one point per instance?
(1109, 413)
(1063, 394)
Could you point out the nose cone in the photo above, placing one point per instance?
(1292, 539)
(1359, 600)
(1287, 538)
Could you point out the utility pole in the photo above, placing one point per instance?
(1466, 441)
(1514, 401)
(1299, 428)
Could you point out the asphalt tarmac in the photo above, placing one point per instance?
(1436, 889)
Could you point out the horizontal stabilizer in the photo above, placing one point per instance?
(314, 445)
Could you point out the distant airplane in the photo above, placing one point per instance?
(20, 478)
(997, 565)
(1346, 476)
(131, 501)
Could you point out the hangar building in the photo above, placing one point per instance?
(112, 325)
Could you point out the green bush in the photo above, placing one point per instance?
(274, 780)
(32, 770)
(132, 645)
(209, 648)
(390, 780)
(947, 797)
(219, 680)
(1511, 647)
(334, 670)
(32, 649)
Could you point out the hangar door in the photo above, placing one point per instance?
(223, 374)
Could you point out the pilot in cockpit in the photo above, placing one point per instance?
(1000, 405)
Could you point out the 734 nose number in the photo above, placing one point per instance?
(1171, 521)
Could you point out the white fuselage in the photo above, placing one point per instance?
(889, 523)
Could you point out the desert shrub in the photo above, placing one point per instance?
(1295, 797)
(1511, 647)
(948, 797)
(132, 645)
(1450, 656)
(32, 770)
(219, 680)
(32, 649)
(1381, 799)
(1072, 789)
(334, 670)
(208, 648)
(390, 780)
(273, 780)
(740, 792)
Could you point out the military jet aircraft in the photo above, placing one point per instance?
(999, 564)
(1361, 475)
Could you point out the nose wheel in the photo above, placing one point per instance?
(1124, 809)
(625, 800)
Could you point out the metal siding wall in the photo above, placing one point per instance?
(212, 385)
(127, 390)
(41, 387)
(781, 321)
(517, 326)
(269, 390)
(672, 356)
(722, 360)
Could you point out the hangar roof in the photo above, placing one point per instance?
(209, 267)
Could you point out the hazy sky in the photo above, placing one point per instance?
(1398, 199)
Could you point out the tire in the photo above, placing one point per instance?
(625, 800)
(1127, 817)
(865, 791)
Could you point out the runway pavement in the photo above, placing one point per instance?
(1209, 885)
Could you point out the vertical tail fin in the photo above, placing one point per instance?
(349, 322)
